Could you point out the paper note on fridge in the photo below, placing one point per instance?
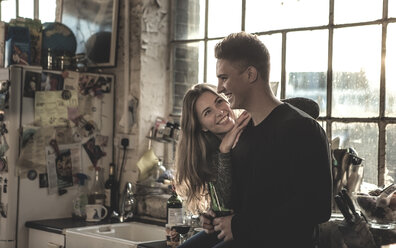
(50, 107)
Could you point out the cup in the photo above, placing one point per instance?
(95, 212)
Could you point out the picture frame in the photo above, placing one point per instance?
(94, 24)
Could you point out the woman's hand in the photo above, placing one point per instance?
(206, 220)
(231, 138)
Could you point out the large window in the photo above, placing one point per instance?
(43, 10)
(345, 61)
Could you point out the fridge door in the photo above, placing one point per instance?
(8, 180)
(35, 202)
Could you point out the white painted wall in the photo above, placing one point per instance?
(148, 79)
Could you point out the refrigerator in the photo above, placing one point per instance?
(73, 109)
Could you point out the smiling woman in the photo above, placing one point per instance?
(209, 129)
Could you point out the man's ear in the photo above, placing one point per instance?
(252, 74)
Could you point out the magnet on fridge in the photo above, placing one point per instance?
(32, 174)
(66, 94)
(43, 180)
(3, 164)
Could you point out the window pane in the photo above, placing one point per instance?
(390, 157)
(187, 70)
(189, 19)
(224, 17)
(273, 14)
(26, 8)
(306, 66)
(356, 71)
(8, 10)
(391, 8)
(390, 103)
(363, 137)
(211, 64)
(274, 46)
(47, 10)
(346, 11)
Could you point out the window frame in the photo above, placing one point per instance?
(36, 8)
(382, 121)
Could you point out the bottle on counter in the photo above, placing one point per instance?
(81, 199)
(97, 192)
(174, 207)
(111, 190)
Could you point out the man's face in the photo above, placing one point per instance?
(214, 113)
(232, 82)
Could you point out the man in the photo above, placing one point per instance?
(281, 164)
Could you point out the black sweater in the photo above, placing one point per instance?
(281, 180)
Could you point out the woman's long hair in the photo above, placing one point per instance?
(195, 150)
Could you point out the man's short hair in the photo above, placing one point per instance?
(245, 50)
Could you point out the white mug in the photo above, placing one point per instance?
(95, 212)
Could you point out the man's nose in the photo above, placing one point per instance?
(220, 87)
(220, 112)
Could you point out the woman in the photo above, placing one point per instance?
(209, 130)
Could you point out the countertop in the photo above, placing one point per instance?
(59, 225)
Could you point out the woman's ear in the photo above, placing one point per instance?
(205, 130)
(252, 74)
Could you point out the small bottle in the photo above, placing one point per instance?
(97, 192)
(176, 131)
(158, 170)
(110, 190)
(174, 207)
(49, 59)
(168, 131)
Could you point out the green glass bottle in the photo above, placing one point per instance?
(174, 207)
(217, 202)
(111, 190)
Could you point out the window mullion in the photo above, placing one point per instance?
(205, 69)
(243, 15)
(382, 106)
(36, 14)
(16, 8)
(283, 68)
(329, 93)
(381, 153)
(383, 56)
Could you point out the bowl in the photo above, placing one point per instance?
(379, 212)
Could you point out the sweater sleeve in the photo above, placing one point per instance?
(223, 179)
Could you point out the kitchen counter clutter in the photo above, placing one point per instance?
(331, 236)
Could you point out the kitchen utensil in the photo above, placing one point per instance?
(347, 199)
(343, 208)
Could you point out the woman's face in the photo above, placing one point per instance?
(214, 113)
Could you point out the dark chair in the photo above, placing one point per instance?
(307, 105)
